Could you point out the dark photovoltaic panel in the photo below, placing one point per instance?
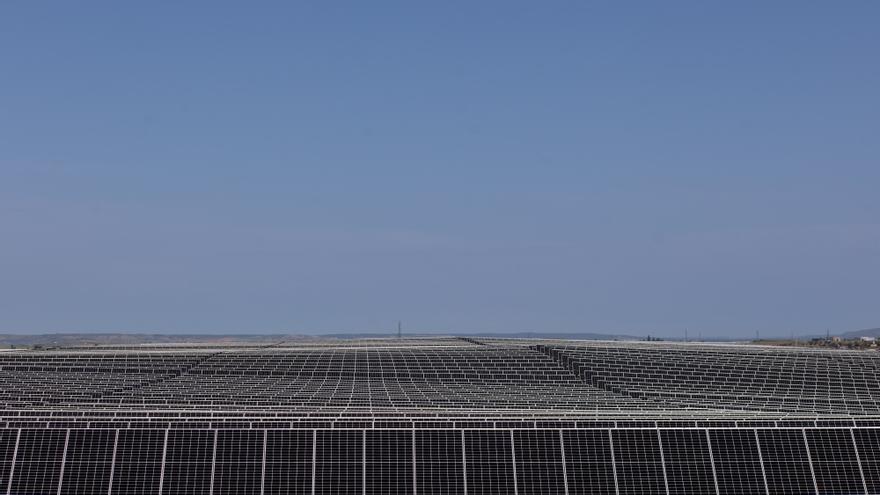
(88, 462)
(440, 416)
(868, 445)
(188, 462)
(439, 468)
(340, 467)
(588, 461)
(489, 462)
(638, 461)
(688, 462)
(738, 377)
(835, 464)
(389, 461)
(539, 468)
(288, 462)
(452, 374)
(7, 450)
(37, 468)
(238, 466)
(737, 462)
(138, 465)
(785, 462)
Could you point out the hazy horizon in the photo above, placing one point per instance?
(604, 168)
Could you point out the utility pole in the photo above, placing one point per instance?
(399, 329)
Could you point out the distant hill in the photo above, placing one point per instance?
(556, 335)
(870, 332)
(81, 339)
(88, 339)
(496, 335)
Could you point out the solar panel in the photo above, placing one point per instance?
(389, 461)
(688, 462)
(238, 465)
(88, 462)
(340, 462)
(737, 377)
(588, 461)
(289, 462)
(7, 451)
(189, 461)
(442, 416)
(638, 462)
(834, 460)
(138, 465)
(737, 462)
(439, 462)
(539, 466)
(868, 448)
(489, 462)
(786, 462)
(38, 462)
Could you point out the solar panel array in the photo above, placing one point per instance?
(442, 461)
(440, 416)
(735, 378)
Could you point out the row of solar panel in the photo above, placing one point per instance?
(495, 378)
(638, 461)
(196, 421)
(496, 364)
(820, 382)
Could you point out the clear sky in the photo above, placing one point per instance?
(638, 167)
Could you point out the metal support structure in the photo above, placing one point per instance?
(855, 445)
(63, 461)
(162, 469)
(761, 460)
(513, 458)
(464, 462)
(14, 458)
(613, 461)
(712, 461)
(564, 467)
(415, 486)
(314, 459)
(263, 466)
(113, 463)
(213, 463)
(364, 462)
(810, 460)
(663, 461)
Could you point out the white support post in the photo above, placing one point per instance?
(662, 461)
(513, 458)
(63, 461)
(263, 465)
(810, 460)
(213, 464)
(113, 462)
(12, 468)
(314, 459)
(162, 469)
(761, 460)
(364, 461)
(712, 460)
(855, 445)
(464, 463)
(415, 484)
(564, 467)
(613, 461)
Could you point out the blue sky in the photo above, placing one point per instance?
(634, 167)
